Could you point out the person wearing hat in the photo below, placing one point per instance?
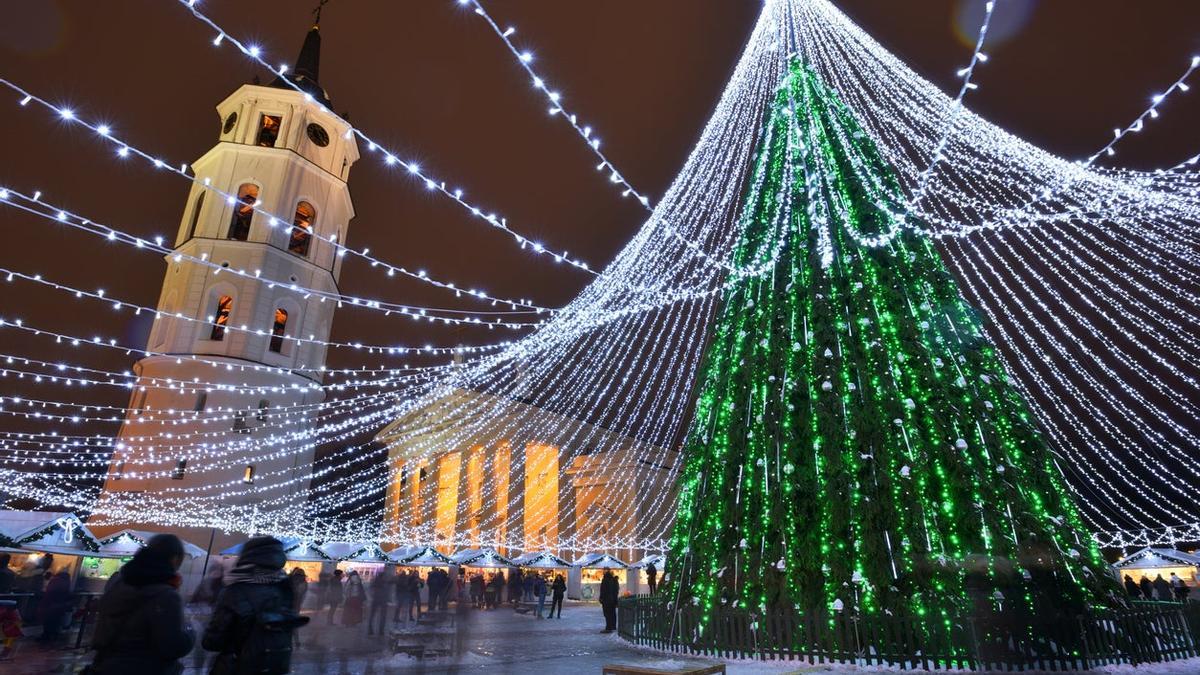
(252, 624)
(140, 626)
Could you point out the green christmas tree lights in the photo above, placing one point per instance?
(857, 445)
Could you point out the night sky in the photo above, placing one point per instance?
(431, 80)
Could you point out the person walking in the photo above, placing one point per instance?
(299, 588)
(56, 605)
(1180, 588)
(539, 591)
(356, 597)
(514, 586)
(403, 599)
(8, 578)
(252, 625)
(559, 588)
(1162, 589)
(334, 594)
(1132, 588)
(381, 591)
(1147, 587)
(140, 626)
(652, 578)
(414, 594)
(610, 590)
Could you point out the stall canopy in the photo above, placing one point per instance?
(602, 561)
(356, 551)
(297, 550)
(657, 558)
(418, 556)
(540, 560)
(46, 532)
(127, 542)
(1161, 561)
(480, 557)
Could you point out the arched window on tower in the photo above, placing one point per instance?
(220, 318)
(302, 226)
(268, 130)
(195, 216)
(243, 212)
(278, 329)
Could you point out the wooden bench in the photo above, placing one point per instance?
(718, 669)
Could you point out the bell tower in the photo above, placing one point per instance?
(219, 428)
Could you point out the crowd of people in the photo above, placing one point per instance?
(248, 615)
(1166, 590)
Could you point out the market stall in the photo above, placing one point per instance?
(363, 557)
(1151, 562)
(586, 573)
(636, 576)
(44, 541)
(542, 563)
(300, 553)
(116, 549)
(422, 559)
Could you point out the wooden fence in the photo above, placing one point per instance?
(1146, 633)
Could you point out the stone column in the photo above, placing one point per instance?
(516, 492)
(566, 495)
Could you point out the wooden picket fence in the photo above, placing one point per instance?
(1146, 633)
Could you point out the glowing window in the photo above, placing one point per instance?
(268, 130)
(278, 329)
(243, 212)
(220, 317)
(302, 226)
(248, 474)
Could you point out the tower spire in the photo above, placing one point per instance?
(308, 63)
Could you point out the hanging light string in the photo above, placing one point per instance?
(389, 157)
(124, 149)
(525, 59)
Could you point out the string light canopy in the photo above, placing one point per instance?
(1084, 277)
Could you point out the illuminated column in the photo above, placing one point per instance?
(449, 475)
(516, 494)
(566, 495)
(500, 473)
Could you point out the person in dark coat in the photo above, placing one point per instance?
(652, 578)
(559, 588)
(1132, 588)
(381, 592)
(8, 578)
(514, 586)
(257, 601)
(1162, 589)
(334, 593)
(414, 593)
(1147, 587)
(539, 591)
(610, 590)
(140, 626)
(299, 587)
(56, 605)
(1179, 587)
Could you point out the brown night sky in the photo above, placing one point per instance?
(430, 79)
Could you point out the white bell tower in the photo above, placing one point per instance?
(220, 424)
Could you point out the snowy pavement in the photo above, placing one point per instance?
(500, 642)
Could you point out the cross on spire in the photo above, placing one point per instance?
(317, 12)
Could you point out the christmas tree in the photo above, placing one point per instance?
(857, 445)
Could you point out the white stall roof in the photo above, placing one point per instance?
(540, 560)
(418, 556)
(600, 561)
(297, 550)
(356, 551)
(127, 542)
(657, 558)
(1158, 557)
(46, 532)
(480, 557)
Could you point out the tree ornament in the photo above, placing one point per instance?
(961, 444)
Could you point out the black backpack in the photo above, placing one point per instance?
(267, 648)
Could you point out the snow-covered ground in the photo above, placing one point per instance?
(499, 642)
